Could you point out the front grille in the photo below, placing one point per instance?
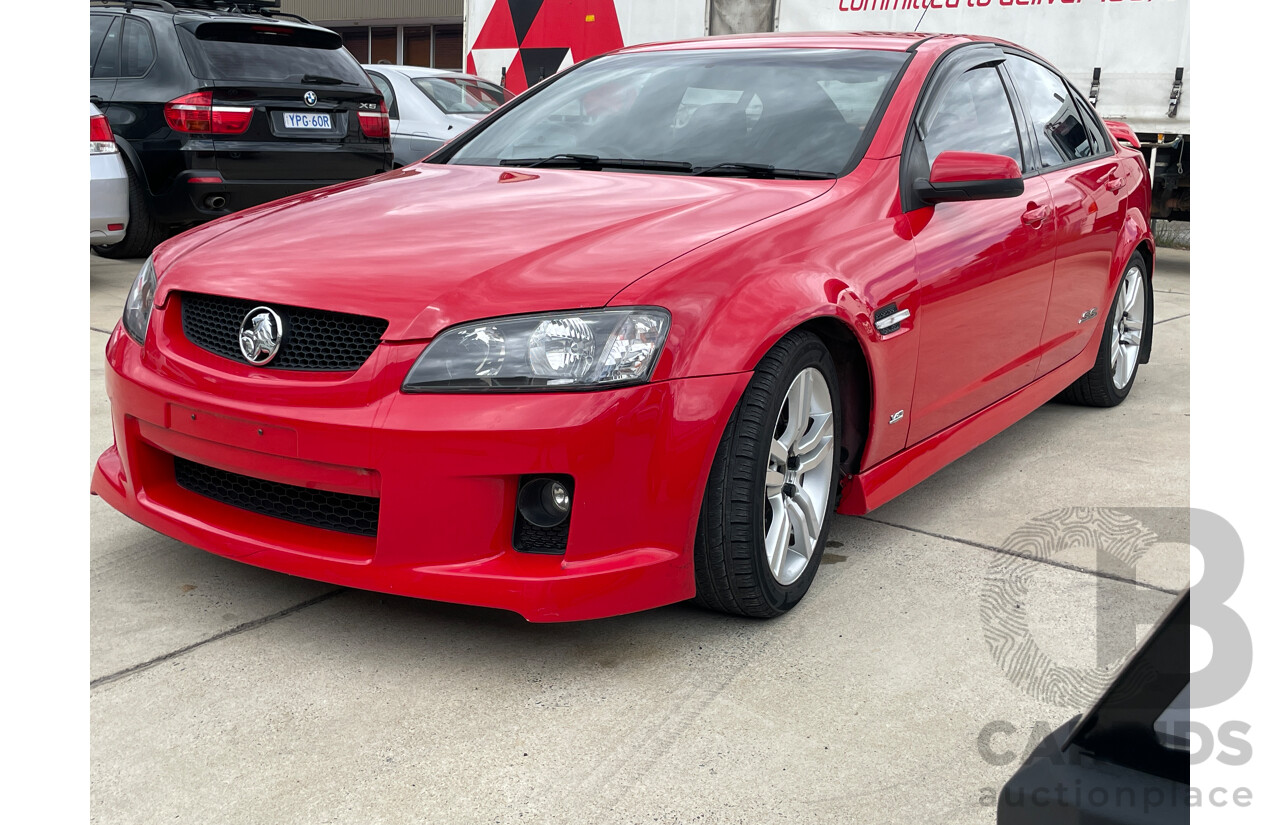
(315, 340)
(343, 512)
(530, 538)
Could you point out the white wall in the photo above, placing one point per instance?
(1137, 43)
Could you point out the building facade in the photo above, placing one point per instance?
(400, 32)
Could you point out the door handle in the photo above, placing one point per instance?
(1035, 215)
(1115, 184)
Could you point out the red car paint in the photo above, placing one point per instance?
(1123, 132)
(954, 167)
(738, 263)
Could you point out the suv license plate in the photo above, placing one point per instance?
(306, 120)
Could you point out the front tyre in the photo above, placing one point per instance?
(1109, 381)
(773, 485)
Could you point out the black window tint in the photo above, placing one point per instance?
(1055, 121)
(137, 49)
(384, 88)
(98, 25)
(455, 96)
(239, 51)
(108, 62)
(973, 115)
(1101, 145)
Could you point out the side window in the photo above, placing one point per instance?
(1056, 122)
(1101, 144)
(108, 62)
(388, 94)
(98, 25)
(973, 115)
(137, 49)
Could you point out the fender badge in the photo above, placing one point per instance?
(1088, 316)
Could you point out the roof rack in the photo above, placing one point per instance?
(251, 6)
(267, 8)
(129, 4)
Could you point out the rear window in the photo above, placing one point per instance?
(268, 52)
(456, 96)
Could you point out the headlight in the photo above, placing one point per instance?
(563, 350)
(137, 307)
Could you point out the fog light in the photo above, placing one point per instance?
(544, 502)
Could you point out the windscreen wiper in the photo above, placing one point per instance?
(761, 171)
(326, 80)
(597, 164)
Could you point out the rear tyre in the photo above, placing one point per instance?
(142, 234)
(1108, 383)
(773, 485)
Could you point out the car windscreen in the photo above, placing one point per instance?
(268, 52)
(459, 96)
(794, 109)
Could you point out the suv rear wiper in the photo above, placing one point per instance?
(597, 164)
(762, 171)
(326, 80)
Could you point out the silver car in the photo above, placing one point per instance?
(430, 107)
(108, 183)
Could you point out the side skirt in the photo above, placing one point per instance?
(895, 475)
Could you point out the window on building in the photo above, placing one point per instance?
(438, 46)
(357, 42)
(417, 46)
(383, 45)
(448, 47)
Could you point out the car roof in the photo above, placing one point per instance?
(419, 71)
(880, 41)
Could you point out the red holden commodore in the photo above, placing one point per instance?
(636, 337)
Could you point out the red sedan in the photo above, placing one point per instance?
(637, 336)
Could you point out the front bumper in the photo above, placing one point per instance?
(445, 468)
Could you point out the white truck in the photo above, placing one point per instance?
(1130, 57)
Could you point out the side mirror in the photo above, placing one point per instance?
(970, 176)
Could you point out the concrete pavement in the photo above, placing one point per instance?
(225, 693)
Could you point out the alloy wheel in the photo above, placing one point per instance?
(1127, 326)
(797, 483)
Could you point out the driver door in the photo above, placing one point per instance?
(985, 268)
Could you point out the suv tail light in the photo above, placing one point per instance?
(376, 124)
(196, 114)
(101, 141)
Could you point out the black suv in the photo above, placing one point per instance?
(218, 106)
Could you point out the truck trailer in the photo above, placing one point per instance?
(1131, 58)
